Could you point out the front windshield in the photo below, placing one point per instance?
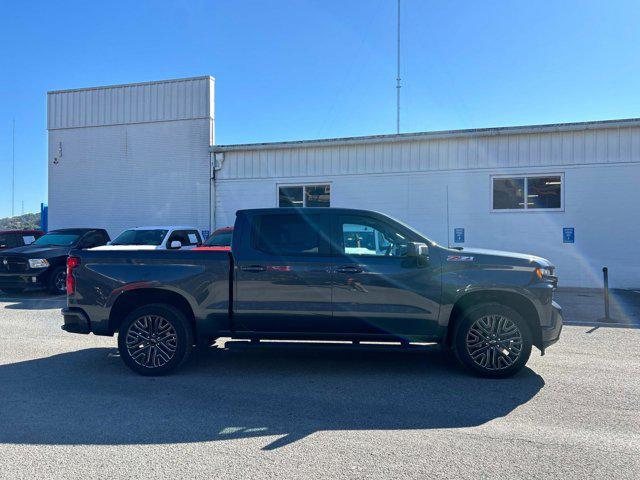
(140, 237)
(57, 239)
(221, 239)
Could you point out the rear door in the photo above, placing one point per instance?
(378, 289)
(283, 273)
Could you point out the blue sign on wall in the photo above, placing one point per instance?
(568, 235)
(458, 235)
(205, 234)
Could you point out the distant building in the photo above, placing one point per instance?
(130, 155)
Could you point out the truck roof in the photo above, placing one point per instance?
(21, 231)
(164, 227)
(332, 210)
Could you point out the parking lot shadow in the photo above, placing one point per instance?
(89, 397)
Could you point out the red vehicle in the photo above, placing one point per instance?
(18, 238)
(220, 240)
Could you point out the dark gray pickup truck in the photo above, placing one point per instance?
(321, 274)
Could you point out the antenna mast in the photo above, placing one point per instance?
(398, 86)
(13, 168)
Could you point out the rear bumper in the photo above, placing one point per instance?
(551, 333)
(75, 321)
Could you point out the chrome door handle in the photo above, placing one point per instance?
(253, 268)
(349, 269)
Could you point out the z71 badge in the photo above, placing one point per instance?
(459, 258)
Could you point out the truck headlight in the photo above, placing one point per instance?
(38, 263)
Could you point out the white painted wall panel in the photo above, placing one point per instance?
(600, 203)
(607, 145)
(120, 176)
(181, 99)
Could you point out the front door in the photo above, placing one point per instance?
(284, 277)
(378, 289)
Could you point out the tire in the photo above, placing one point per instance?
(159, 354)
(58, 281)
(493, 340)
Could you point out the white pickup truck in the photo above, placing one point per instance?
(155, 238)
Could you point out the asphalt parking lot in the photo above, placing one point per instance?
(69, 408)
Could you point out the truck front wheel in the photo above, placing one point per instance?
(493, 340)
(155, 339)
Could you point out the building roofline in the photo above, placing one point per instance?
(138, 84)
(408, 137)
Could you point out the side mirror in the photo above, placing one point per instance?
(175, 244)
(417, 249)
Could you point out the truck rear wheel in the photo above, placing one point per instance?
(493, 340)
(155, 339)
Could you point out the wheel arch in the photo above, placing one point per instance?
(517, 301)
(132, 299)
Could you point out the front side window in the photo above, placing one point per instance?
(9, 240)
(304, 196)
(367, 236)
(140, 237)
(527, 192)
(287, 235)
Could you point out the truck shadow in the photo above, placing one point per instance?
(89, 397)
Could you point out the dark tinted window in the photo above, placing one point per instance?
(508, 193)
(10, 240)
(61, 238)
(544, 192)
(304, 196)
(287, 234)
(220, 239)
(317, 195)
(140, 237)
(290, 197)
(93, 239)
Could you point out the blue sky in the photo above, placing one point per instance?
(321, 68)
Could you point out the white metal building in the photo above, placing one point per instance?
(131, 155)
(139, 154)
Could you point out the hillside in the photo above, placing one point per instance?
(20, 222)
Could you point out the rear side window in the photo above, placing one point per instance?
(194, 237)
(290, 234)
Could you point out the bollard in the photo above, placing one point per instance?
(605, 274)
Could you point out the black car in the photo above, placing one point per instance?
(42, 264)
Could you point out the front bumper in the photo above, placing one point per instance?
(34, 280)
(75, 321)
(551, 333)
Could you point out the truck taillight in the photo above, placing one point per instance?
(72, 262)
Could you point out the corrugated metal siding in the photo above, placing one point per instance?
(121, 176)
(595, 197)
(591, 146)
(181, 99)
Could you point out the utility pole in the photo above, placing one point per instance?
(398, 86)
(13, 169)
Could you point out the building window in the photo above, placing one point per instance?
(531, 192)
(304, 196)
